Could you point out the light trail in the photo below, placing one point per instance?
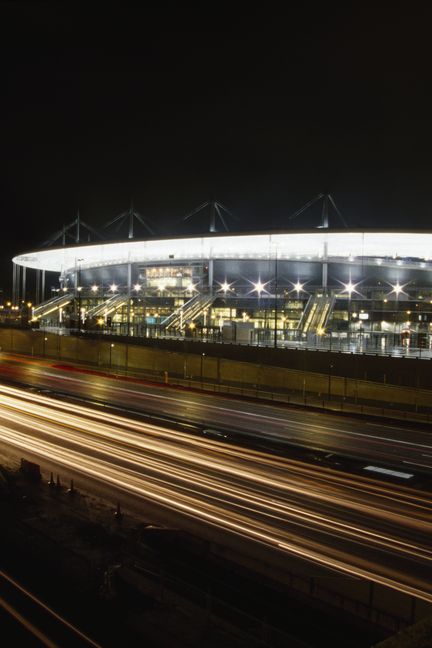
(259, 421)
(350, 523)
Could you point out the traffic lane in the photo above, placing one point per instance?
(356, 558)
(262, 468)
(201, 400)
(265, 467)
(310, 429)
(276, 519)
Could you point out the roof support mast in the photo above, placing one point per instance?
(216, 210)
(327, 200)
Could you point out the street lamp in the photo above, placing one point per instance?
(275, 301)
(258, 287)
(349, 288)
(329, 380)
(225, 287)
(397, 289)
(110, 354)
(78, 288)
(298, 287)
(202, 360)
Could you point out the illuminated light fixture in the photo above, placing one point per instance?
(137, 287)
(64, 289)
(192, 326)
(258, 287)
(113, 287)
(94, 288)
(161, 286)
(298, 287)
(349, 288)
(191, 287)
(29, 304)
(79, 288)
(320, 331)
(101, 321)
(225, 286)
(397, 289)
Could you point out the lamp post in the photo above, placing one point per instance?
(275, 302)
(202, 361)
(78, 288)
(258, 288)
(397, 289)
(349, 288)
(329, 380)
(110, 355)
(298, 287)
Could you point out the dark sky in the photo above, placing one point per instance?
(262, 113)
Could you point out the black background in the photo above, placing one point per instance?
(261, 111)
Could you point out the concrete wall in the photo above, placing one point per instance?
(306, 373)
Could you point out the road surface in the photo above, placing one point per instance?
(344, 522)
(402, 446)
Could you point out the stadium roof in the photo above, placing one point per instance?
(377, 245)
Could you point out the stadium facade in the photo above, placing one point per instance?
(271, 287)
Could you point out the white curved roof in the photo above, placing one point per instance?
(303, 245)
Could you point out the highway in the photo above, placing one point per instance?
(403, 446)
(343, 522)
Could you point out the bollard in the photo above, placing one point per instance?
(117, 513)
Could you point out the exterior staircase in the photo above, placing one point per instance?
(47, 307)
(105, 308)
(316, 314)
(189, 312)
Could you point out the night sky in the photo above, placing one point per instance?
(261, 113)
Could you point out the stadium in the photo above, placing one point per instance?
(321, 286)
